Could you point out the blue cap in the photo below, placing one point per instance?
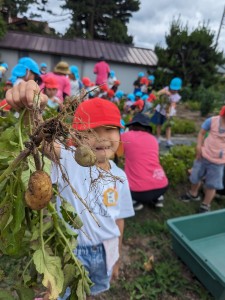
(119, 94)
(138, 94)
(131, 97)
(12, 79)
(176, 84)
(112, 73)
(5, 65)
(151, 77)
(144, 97)
(141, 74)
(30, 64)
(75, 71)
(19, 71)
(43, 65)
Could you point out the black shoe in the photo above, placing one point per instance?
(204, 208)
(138, 206)
(188, 197)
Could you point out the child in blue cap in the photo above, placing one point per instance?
(164, 112)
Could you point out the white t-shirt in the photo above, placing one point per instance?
(115, 194)
(174, 98)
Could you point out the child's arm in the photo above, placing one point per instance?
(200, 141)
(21, 96)
(120, 224)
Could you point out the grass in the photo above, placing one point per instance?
(145, 235)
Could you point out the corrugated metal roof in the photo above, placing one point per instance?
(91, 49)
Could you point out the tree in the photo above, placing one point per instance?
(11, 8)
(101, 19)
(190, 55)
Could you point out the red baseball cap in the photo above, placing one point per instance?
(86, 81)
(110, 93)
(222, 111)
(96, 112)
(50, 82)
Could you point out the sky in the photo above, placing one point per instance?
(149, 25)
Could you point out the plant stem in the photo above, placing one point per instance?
(41, 232)
(56, 224)
(14, 164)
(20, 129)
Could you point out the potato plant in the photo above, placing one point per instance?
(33, 238)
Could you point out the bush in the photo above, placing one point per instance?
(193, 105)
(208, 98)
(184, 153)
(174, 169)
(186, 93)
(182, 126)
(177, 162)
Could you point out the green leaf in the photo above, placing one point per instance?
(80, 290)
(70, 216)
(50, 267)
(6, 295)
(25, 293)
(69, 272)
(18, 209)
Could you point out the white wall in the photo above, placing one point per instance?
(124, 72)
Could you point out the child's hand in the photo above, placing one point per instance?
(115, 273)
(22, 95)
(198, 152)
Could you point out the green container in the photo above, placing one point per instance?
(199, 240)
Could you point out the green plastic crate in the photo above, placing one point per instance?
(199, 240)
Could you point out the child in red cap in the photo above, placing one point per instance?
(50, 89)
(209, 163)
(98, 121)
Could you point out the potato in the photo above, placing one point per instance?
(39, 191)
(84, 156)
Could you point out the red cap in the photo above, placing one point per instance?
(104, 87)
(116, 82)
(110, 93)
(50, 82)
(151, 98)
(3, 104)
(139, 103)
(222, 111)
(86, 81)
(144, 80)
(96, 112)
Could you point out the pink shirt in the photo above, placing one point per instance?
(213, 148)
(64, 86)
(101, 69)
(142, 165)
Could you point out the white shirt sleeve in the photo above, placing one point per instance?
(125, 201)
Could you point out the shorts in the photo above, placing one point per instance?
(158, 119)
(94, 260)
(212, 174)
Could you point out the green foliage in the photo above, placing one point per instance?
(3, 28)
(184, 153)
(193, 105)
(183, 126)
(209, 99)
(179, 126)
(177, 162)
(101, 19)
(190, 55)
(35, 247)
(174, 169)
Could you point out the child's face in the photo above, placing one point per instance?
(104, 141)
(50, 92)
